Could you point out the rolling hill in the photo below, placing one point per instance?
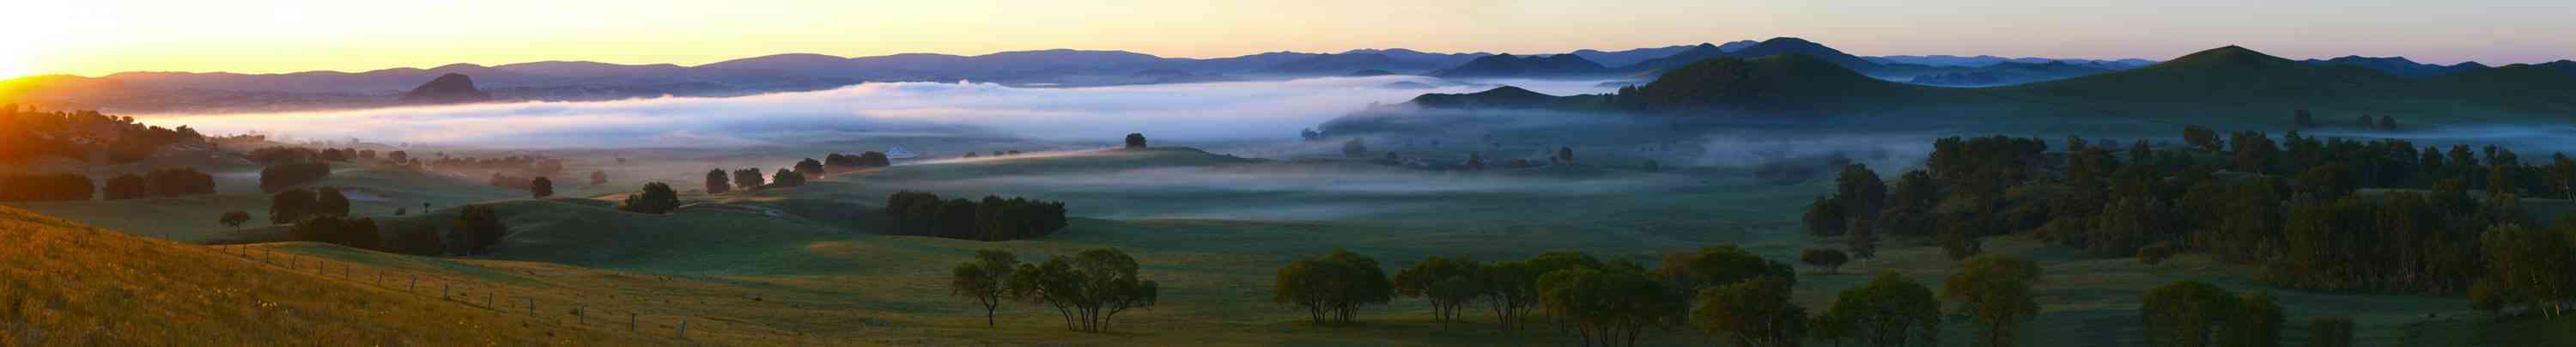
(2225, 85)
(71, 284)
(1771, 47)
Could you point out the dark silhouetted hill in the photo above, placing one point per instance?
(447, 89)
(1506, 65)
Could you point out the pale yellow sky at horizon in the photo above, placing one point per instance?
(270, 36)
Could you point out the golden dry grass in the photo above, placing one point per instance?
(66, 284)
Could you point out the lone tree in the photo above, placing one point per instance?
(1565, 155)
(1088, 289)
(717, 182)
(1995, 291)
(1332, 288)
(747, 179)
(656, 198)
(1830, 259)
(1135, 140)
(786, 178)
(598, 177)
(541, 187)
(1449, 283)
(234, 219)
(984, 279)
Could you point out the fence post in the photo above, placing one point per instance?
(415, 284)
(532, 305)
(579, 311)
(684, 328)
(630, 321)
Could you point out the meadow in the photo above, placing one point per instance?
(816, 265)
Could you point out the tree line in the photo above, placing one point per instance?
(1088, 289)
(158, 183)
(27, 135)
(2294, 207)
(46, 187)
(1724, 293)
(991, 219)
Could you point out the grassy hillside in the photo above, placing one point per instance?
(71, 284)
(821, 271)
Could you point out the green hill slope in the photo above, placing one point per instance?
(71, 284)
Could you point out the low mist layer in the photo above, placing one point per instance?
(1199, 111)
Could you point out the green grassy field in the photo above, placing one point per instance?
(1212, 229)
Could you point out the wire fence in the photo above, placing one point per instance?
(662, 321)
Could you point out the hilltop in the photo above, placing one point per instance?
(447, 89)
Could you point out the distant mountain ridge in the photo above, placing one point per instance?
(2226, 84)
(2399, 66)
(1506, 65)
(1988, 60)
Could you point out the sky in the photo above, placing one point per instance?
(96, 37)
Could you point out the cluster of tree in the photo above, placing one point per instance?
(296, 205)
(46, 187)
(837, 162)
(1606, 303)
(2304, 120)
(27, 135)
(2528, 267)
(1333, 288)
(159, 183)
(1087, 289)
(477, 229)
(520, 165)
(282, 175)
(656, 198)
(2295, 207)
(785, 178)
(993, 154)
(992, 219)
